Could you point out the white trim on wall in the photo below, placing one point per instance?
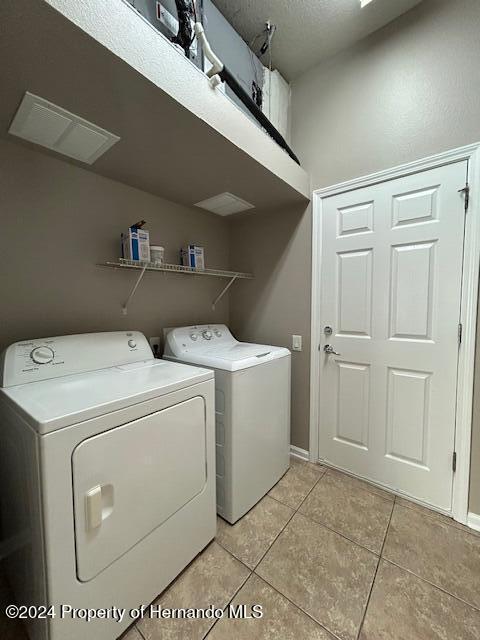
(303, 454)
(468, 312)
(315, 327)
(473, 521)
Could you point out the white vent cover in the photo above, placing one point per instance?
(43, 122)
(225, 204)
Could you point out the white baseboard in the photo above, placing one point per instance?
(473, 521)
(303, 454)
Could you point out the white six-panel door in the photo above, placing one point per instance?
(390, 291)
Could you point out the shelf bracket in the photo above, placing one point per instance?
(223, 292)
(132, 292)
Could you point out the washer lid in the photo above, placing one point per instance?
(212, 345)
(52, 404)
(235, 357)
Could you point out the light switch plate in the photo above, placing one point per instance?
(296, 343)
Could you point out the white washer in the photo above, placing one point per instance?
(252, 411)
(107, 466)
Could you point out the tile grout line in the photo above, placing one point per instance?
(376, 571)
(419, 577)
(252, 571)
(407, 502)
(432, 584)
(303, 499)
(295, 512)
(231, 599)
(342, 535)
(430, 513)
(167, 588)
(369, 488)
(297, 606)
(233, 555)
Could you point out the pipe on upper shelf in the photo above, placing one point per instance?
(217, 64)
(219, 70)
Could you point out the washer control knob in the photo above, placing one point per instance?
(218, 333)
(132, 344)
(207, 334)
(42, 355)
(194, 336)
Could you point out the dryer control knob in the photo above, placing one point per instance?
(42, 355)
(132, 344)
(194, 336)
(218, 333)
(207, 334)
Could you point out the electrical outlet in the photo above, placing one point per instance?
(296, 343)
(155, 344)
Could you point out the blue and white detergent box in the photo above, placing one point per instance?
(136, 245)
(193, 256)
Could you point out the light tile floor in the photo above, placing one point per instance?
(328, 556)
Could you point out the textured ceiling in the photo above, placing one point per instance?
(165, 148)
(309, 31)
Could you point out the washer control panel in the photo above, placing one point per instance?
(199, 337)
(33, 360)
(200, 334)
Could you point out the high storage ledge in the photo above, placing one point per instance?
(180, 138)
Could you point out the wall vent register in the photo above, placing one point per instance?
(55, 128)
(225, 204)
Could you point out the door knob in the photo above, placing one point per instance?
(330, 350)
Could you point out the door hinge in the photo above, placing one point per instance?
(460, 331)
(466, 192)
(454, 461)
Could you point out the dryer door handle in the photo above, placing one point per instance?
(98, 505)
(93, 507)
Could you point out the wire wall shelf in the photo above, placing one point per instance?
(143, 267)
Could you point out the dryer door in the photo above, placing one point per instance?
(129, 480)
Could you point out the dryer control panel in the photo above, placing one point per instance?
(44, 358)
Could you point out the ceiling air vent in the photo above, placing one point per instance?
(225, 204)
(44, 123)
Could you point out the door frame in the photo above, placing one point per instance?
(468, 308)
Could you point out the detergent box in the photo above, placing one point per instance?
(136, 245)
(193, 256)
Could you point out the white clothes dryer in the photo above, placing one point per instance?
(107, 468)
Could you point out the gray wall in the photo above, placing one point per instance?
(59, 221)
(410, 90)
(276, 304)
